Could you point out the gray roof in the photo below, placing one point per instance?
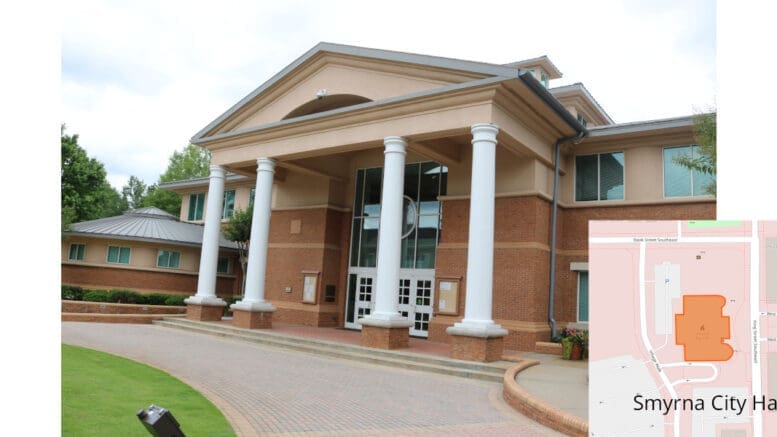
(493, 73)
(535, 61)
(577, 86)
(149, 224)
(196, 182)
(640, 126)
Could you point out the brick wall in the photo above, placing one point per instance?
(307, 240)
(143, 280)
(522, 256)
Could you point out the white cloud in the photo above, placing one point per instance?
(140, 78)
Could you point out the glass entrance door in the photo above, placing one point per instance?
(359, 301)
(415, 297)
(421, 218)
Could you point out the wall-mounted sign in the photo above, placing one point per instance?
(310, 287)
(448, 292)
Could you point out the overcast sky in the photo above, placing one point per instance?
(140, 78)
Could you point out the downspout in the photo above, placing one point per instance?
(553, 219)
(565, 115)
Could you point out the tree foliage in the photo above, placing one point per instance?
(134, 193)
(238, 229)
(191, 162)
(85, 191)
(705, 131)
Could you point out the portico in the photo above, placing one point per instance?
(386, 180)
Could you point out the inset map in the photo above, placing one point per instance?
(683, 324)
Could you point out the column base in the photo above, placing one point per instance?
(251, 319)
(204, 313)
(483, 349)
(380, 337)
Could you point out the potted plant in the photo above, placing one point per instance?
(566, 348)
(579, 344)
(574, 344)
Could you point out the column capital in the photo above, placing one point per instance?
(265, 164)
(395, 145)
(484, 132)
(217, 171)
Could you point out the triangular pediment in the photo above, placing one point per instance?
(331, 76)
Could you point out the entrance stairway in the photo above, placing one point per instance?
(493, 372)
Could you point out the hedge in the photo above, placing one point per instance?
(72, 292)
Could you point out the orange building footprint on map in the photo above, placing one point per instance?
(702, 328)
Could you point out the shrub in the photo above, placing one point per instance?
(72, 292)
(156, 298)
(96, 296)
(175, 300)
(229, 301)
(125, 296)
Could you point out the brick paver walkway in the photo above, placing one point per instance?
(268, 391)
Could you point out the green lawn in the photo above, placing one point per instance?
(101, 394)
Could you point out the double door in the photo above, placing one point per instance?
(414, 298)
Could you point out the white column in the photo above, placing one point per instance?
(209, 255)
(253, 300)
(386, 313)
(480, 249)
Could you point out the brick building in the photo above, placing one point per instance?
(403, 194)
(146, 250)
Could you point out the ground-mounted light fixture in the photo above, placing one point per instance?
(160, 422)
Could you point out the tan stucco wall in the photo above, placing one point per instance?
(339, 79)
(643, 173)
(299, 190)
(242, 195)
(143, 255)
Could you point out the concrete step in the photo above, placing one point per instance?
(498, 366)
(116, 318)
(483, 371)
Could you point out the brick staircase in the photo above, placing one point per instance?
(493, 372)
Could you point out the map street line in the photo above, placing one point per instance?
(646, 340)
(755, 314)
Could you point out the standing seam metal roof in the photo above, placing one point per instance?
(149, 223)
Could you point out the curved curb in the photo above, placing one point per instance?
(538, 410)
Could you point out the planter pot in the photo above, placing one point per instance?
(577, 352)
(566, 349)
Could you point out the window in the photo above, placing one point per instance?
(543, 78)
(229, 204)
(196, 204)
(118, 255)
(599, 176)
(582, 296)
(421, 227)
(680, 181)
(251, 197)
(168, 259)
(77, 252)
(223, 265)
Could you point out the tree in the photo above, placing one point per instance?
(238, 229)
(134, 193)
(705, 131)
(85, 191)
(191, 162)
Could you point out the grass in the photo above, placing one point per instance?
(101, 394)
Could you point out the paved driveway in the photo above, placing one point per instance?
(269, 391)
